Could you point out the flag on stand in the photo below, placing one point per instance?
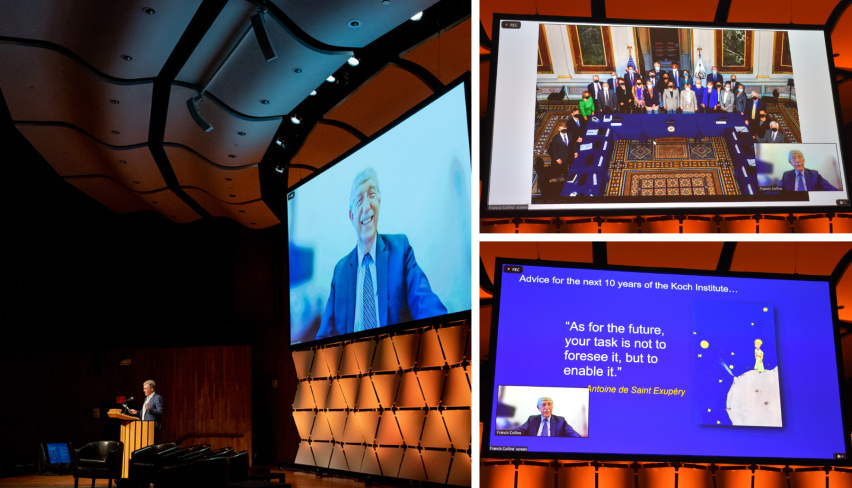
(631, 63)
(699, 68)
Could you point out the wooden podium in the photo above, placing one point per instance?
(135, 434)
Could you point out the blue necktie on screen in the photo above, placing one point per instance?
(369, 305)
(545, 430)
(800, 182)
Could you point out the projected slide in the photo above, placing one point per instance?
(654, 117)
(383, 236)
(616, 362)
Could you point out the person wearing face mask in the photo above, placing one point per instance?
(699, 96)
(685, 80)
(714, 77)
(657, 71)
(735, 84)
(674, 77)
(594, 89)
(718, 91)
(613, 82)
(688, 100)
(663, 82)
(638, 100)
(586, 106)
(624, 97)
(606, 100)
(671, 99)
(631, 76)
(652, 98)
(760, 126)
(560, 150)
(727, 100)
(740, 100)
(753, 107)
(773, 135)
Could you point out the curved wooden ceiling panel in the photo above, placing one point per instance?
(381, 100)
(247, 79)
(817, 258)
(113, 113)
(625, 9)
(224, 140)
(121, 200)
(102, 32)
(324, 144)
(72, 153)
(441, 54)
(255, 214)
(694, 255)
(328, 21)
(227, 184)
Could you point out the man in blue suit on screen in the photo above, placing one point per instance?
(547, 424)
(801, 179)
(379, 283)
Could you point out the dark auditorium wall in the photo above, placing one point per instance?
(199, 307)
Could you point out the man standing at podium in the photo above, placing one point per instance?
(152, 409)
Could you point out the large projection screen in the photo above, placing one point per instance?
(636, 363)
(413, 188)
(622, 159)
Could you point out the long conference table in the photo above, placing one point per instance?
(588, 174)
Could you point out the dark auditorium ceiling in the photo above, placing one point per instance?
(100, 90)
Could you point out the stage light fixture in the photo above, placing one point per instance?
(313, 93)
(353, 61)
(279, 169)
(417, 16)
(263, 41)
(192, 105)
(330, 79)
(295, 119)
(279, 143)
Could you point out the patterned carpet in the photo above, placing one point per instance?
(672, 166)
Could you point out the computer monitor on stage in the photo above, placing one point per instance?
(670, 117)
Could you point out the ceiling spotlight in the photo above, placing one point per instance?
(313, 93)
(353, 61)
(279, 169)
(192, 105)
(331, 79)
(259, 28)
(279, 143)
(295, 119)
(417, 16)
(385, 2)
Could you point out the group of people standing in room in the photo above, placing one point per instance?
(660, 91)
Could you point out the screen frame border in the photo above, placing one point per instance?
(487, 128)
(465, 80)
(486, 405)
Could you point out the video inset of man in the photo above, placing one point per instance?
(531, 411)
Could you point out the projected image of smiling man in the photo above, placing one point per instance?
(547, 424)
(379, 282)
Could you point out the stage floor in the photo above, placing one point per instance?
(296, 479)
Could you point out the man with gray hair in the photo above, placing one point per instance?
(379, 282)
(773, 134)
(152, 408)
(547, 424)
(801, 179)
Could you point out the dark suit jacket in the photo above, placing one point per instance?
(716, 79)
(748, 106)
(592, 96)
(650, 98)
(779, 138)
(155, 409)
(558, 427)
(813, 180)
(610, 101)
(404, 291)
(632, 82)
